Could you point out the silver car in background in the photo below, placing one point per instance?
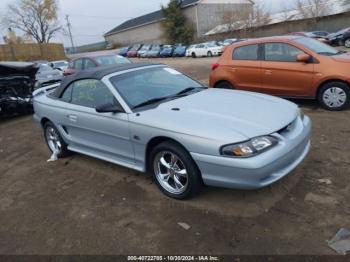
(47, 75)
(150, 117)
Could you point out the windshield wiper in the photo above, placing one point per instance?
(341, 52)
(186, 90)
(159, 99)
(151, 101)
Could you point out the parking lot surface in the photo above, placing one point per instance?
(80, 205)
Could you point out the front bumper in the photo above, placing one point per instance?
(261, 170)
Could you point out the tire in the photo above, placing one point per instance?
(167, 170)
(334, 96)
(62, 149)
(210, 54)
(194, 55)
(347, 43)
(224, 85)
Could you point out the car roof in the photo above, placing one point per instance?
(96, 54)
(97, 73)
(285, 38)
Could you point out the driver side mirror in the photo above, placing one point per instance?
(109, 108)
(304, 58)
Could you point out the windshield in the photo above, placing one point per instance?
(135, 48)
(342, 31)
(155, 48)
(112, 60)
(152, 83)
(212, 45)
(181, 48)
(145, 48)
(45, 68)
(317, 46)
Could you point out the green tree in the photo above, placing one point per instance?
(177, 28)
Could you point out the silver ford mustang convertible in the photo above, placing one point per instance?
(152, 118)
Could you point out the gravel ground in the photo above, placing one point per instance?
(80, 205)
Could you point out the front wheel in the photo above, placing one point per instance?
(334, 96)
(54, 140)
(347, 43)
(210, 54)
(194, 55)
(174, 171)
(224, 85)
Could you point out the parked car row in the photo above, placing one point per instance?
(340, 38)
(212, 48)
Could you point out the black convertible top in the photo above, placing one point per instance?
(96, 73)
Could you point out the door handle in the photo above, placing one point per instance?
(73, 118)
(233, 69)
(268, 72)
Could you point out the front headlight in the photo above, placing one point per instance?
(250, 148)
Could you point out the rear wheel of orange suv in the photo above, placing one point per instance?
(224, 85)
(334, 96)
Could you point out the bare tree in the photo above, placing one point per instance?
(285, 11)
(311, 9)
(256, 17)
(233, 20)
(36, 18)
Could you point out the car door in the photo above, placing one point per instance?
(105, 135)
(202, 51)
(282, 74)
(245, 68)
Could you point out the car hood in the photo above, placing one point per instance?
(223, 115)
(345, 58)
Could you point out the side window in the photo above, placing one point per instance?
(281, 52)
(88, 64)
(91, 93)
(78, 64)
(249, 52)
(67, 95)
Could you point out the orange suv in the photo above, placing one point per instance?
(288, 66)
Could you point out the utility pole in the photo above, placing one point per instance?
(70, 33)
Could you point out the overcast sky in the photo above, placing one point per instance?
(90, 19)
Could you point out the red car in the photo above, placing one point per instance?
(133, 51)
(94, 60)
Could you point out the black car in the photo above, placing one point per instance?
(17, 83)
(340, 38)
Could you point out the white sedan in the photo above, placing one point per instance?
(205, 49)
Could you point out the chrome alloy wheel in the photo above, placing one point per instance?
(347, 43)
(334, 97)
(170, 172)
(53, 140)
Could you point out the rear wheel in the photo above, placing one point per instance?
(174, 171)
(224, 85)
(54, 140)
(334, 96)
(347, 43)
